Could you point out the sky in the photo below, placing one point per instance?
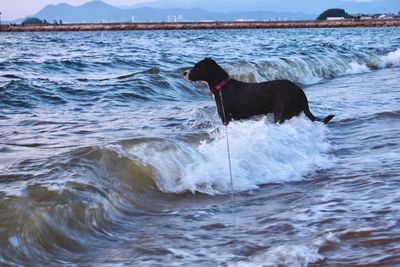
(15, 9)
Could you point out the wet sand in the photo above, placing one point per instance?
(205, 25)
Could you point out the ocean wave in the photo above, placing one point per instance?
(154, 70)
(11, 76)
(312, 69)
(61, 220)
(26, 94)
(80, 197)
(129, 76)
(261, 153)
(392, 59)
(155, 84)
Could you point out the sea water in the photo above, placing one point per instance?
(108, 157)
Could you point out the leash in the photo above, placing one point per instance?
(230, 172)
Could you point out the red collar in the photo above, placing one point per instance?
(219, 86)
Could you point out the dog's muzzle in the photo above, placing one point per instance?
(186, 75)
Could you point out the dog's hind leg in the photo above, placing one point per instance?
(278, 115)
(285, 111)
(278, 118)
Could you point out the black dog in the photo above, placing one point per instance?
(243, 100)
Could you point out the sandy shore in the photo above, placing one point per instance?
(205, 25)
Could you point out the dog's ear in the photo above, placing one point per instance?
(209, 60)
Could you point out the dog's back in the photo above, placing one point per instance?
(281, 97)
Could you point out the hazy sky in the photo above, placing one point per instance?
(15, 9)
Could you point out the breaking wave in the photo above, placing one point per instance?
(261, 152)
(312, 69)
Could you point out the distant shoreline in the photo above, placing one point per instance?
(204, 25)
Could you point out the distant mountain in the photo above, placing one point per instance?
(98, 11)
(304, 6)
(194, 10)
(93, 11)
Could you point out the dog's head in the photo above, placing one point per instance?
(201, 71)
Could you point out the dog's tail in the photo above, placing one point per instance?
(309, 115)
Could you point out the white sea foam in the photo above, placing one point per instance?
(293, 255)
(262, 153)
(357, 68)
(285, 255)
(392, 59)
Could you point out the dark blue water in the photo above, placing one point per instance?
(109, 157)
